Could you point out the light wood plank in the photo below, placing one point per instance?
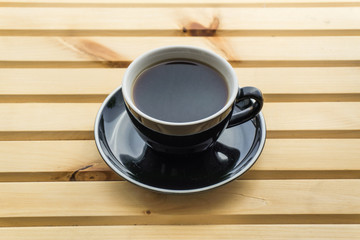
(81, 116)
(61, 81)
(312, 116)
(48, 117)
(93, 85)
(49, 156)
(80, 160)
(182, 3)
(247, 232)
(301, 80)
(262, 201)
(310, 154)
(175, 19)
(103, 81)
(109, 49)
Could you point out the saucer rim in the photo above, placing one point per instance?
(167, 190)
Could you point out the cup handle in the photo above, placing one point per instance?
(244, 97)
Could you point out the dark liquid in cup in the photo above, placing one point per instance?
(180, 91)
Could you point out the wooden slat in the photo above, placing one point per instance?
(93, 85)
(125, 49)
(309, 56)
(247, 201)
(64, 81)
(182, 1)
(52, 160)
(245, 232)
(80, 160)
(301, 80)
(174, 20)
(103, 81)
(164, 3)
(81, 116)
(310, 154)
(48, 117)
(312, 116)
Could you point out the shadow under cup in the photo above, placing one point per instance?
(193, 136)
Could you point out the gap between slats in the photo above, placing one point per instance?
(89, 135)
(182, 220)
(109, 175)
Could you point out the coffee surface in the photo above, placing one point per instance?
(180, 91)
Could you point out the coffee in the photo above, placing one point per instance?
(180, 91)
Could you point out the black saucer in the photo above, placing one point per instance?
(126, 153)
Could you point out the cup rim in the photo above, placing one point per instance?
(232, 92)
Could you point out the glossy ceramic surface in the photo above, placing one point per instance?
(126, 153)
(192, 53)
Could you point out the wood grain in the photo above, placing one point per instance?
(103, 81)
(320, 116)
(111, 50)
(182, 3)
(328, 201)
(173, 20)
(312, 116)
(93, 85)
(246, 232)
(48, 117)
(80, 160)
(60, 59)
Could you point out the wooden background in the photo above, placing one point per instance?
(60, 58)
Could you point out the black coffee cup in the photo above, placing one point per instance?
(193, 136)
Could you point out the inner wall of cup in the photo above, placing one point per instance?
(148, 60)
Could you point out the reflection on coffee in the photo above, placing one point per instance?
(180, 91)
